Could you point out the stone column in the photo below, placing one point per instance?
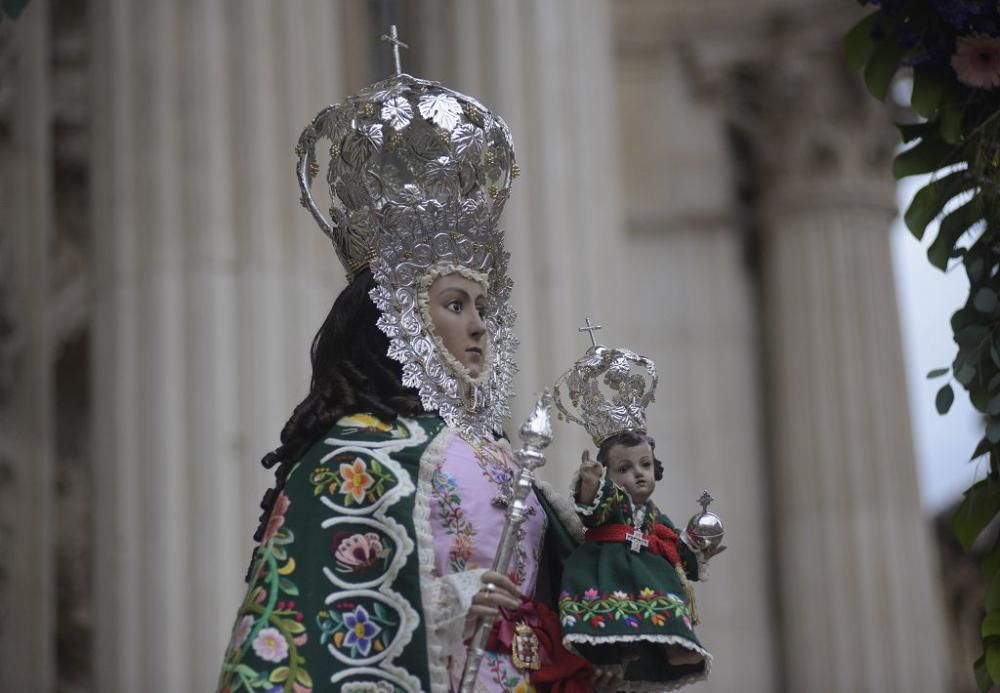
(547, 68)
(27, 571)
(859, 611)
(210, 283)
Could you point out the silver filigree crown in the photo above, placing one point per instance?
(418, 177)
(394, 146)
(607, 392)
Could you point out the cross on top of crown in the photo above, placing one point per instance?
(393, 38)
(590, 329)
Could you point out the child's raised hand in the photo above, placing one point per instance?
(590, 470)
(590, 478)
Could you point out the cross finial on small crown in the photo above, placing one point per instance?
(704, 500)
(590, 329)
(393, 38)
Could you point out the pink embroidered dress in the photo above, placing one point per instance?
(469, 485)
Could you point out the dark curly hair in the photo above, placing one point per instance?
(351, 373)
(630, 439)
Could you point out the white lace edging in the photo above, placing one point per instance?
(437, 625)
(565, 510)
(646, 686)
(699, 555)
(574, 484)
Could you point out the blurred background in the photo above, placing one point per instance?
(703, 178)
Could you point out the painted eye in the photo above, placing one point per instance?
(454, 306)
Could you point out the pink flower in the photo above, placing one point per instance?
(270, 645)
(591, 594)
(357, 551)
(977, 61)
(277, 518)
(241, 631)
(461, 550)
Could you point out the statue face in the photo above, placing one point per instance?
(631, 467)
(456, 304)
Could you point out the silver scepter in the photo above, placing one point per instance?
(535, 434)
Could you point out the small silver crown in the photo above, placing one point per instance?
(607, 391)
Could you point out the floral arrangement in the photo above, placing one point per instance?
(952, 49)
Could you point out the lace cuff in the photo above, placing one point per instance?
(453, 604)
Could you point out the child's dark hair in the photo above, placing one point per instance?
(630, 439)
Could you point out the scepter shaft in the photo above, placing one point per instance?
(536, 433)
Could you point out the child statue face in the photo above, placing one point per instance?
(631, 467)
(456, 304)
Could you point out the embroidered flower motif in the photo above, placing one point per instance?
(270, 645)
(618, 594)
(631, 622)
(645, 594)
(241, 631)
(977, 61)
(687, 621)
(591, 594)
(568, 620)
(397, 112)
(523, 687)
(658, 619)
(597, 622)
(360, 630)
(441, 109)
(357, 480)
(277, 518)
(357, 551)
(461, 549)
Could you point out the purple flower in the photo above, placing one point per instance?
(360, 630)
(631, 622)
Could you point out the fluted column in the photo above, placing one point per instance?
(859, 611)
(210, 283)
(27, 436)
(541, 66)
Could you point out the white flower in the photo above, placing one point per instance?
(270, 645)
(618, 594)
(397, 112)
(441, 109)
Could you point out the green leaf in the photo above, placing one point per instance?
(927, 156)
(914, 131)
(952, 227)
(937, 373)
(882, 66)
(985, 300)
(931, 199)
(944, 399)
(302, 676)
(992, 646)
(288, 587)
(991, 624)
(983, 680)
(279, 675)
(965, 373)
(981, 449)
(978, 507)
(928, 91)
(858, 43)
(952, 115)
(292, 626)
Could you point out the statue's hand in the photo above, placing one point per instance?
(497, 591)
